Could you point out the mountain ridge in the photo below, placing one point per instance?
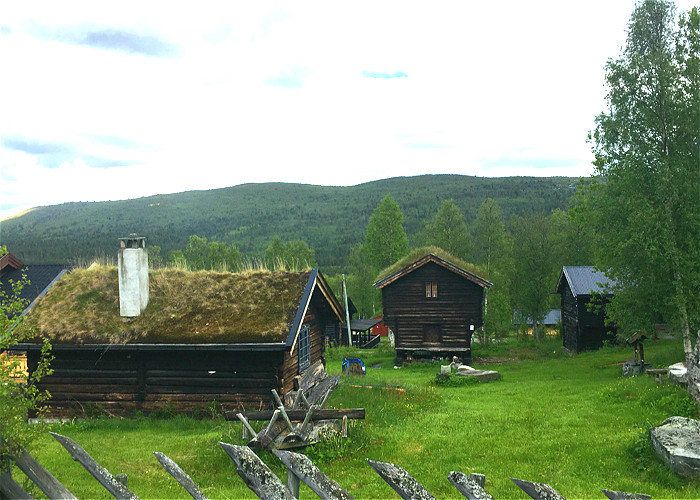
(331, 219)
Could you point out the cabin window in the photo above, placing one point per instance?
(431, 289)
(304, 348)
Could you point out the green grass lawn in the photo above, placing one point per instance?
(570, 421)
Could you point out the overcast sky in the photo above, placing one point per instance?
(114, 100)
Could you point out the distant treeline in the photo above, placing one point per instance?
(331, 220)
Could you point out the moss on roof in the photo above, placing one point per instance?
(184, 307)
(424, 251)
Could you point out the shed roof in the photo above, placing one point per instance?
(584, 280)
(203, 307)
(422, 257)
(40, 276)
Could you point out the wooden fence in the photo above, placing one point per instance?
(261, 480)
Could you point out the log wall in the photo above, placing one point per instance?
(437, 324)
(121, 382)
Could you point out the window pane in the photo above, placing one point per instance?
(435, 289)
(427, 290)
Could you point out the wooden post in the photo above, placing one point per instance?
(292, 483)
(10, 489)
(344, 427)
(538, 491)
(471, 486)
(180, 476)
(401, 481)
(304, 469)
(347, 313)
(621, 495)
(42, 478)
(102, 475)
(122, 478)
(256, 475)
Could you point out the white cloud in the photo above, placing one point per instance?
(276, 92)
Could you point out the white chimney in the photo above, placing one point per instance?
(133, 275)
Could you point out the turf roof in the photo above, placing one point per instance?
(423, 252)
(184, 307)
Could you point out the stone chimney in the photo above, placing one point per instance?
(133, 275)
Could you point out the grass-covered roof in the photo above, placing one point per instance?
(420, 253)
(184, 307)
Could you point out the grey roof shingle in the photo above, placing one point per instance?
(585, 280)
(40, 277)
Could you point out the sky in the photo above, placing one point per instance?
(118, 100)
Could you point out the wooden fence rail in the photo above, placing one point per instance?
(260, 479)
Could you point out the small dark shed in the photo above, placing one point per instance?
(204, 337)
(432, 304)
(584, 330)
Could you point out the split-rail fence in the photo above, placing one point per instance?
(260, 479)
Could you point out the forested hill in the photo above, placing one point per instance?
(330, 219)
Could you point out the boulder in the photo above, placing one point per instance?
(677, 442)
(678, 373)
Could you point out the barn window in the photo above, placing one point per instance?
(304, 348)
(431, 289)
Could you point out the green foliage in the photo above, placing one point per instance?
(452, 380)
(447, 230)
(292, 256)
(209, 256)
(330, 219)
(19, 394)
(535, 268)
(644, 204)
(385, 239)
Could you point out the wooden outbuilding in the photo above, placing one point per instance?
(204, 338)
(582, 323)
(432, 304)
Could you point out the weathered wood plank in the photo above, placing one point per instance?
(42, 478)
(623, 495)
(305, 470)
(180, 476)
(468, 486)
(299, 415)
(312, 375)
(256, 475)
(401, 481)
(538, 491)
(102, 475)
(320, 391)
(9, 488)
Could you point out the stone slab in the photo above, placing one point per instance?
(482, 375)
(677, 442)
(678, 373)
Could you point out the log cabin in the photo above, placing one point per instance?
(432, 304)
(202, 337)
(583, 327)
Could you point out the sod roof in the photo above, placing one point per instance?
(184, 307)
(422, 256)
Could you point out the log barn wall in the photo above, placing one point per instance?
(126, 380)
(439, 324)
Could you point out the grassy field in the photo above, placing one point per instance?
(570, 421)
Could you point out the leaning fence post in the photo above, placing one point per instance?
(102, 475)
(10, 489)
(301, 467)
(471, 486)
(292, 483)
(538, 491)
(622, 495)
(256, 475)
(42, 478)
(401, 481)
(180, 476)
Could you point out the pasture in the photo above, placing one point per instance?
(570, 421)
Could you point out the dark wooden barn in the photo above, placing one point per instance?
(433, 306)
(204, 337)
(584, 328)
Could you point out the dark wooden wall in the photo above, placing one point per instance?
(582, 330)
(410, 314)
(121, 382)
